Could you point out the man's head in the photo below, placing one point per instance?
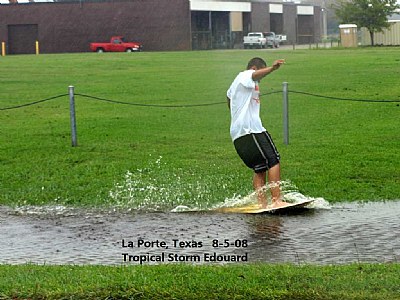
(256, 63)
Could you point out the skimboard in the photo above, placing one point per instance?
(255, 208)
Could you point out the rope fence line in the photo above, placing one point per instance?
(344, 99)
(148, 105)
(33, 103)
(123, 102)
(191, 105)
(285, 107)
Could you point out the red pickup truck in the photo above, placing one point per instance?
(116, 44)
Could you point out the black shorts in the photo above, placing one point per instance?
(258, 151)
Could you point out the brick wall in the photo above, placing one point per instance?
(70, 27)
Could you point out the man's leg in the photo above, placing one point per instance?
(274, 178)
(259, 180)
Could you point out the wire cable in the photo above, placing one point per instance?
(147, 105)
(344, 99)
(191, 105)
(33, 103)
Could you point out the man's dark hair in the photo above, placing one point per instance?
(258, 62)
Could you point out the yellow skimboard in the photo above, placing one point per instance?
(255, 208)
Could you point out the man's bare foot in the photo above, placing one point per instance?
(275, 204)
(278, 203)
(262, 204)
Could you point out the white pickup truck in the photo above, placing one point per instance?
(261, 40)
(254, 39)
(272, 39)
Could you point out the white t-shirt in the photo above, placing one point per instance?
(245, 105)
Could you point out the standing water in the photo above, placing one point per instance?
(151, 220)
(322, 234)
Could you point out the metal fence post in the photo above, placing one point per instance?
(285, 114)
(72, 115)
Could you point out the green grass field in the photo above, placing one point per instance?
(339, 150)
(275, 282)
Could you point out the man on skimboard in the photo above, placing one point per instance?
(252, 141)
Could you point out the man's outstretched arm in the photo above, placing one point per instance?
(261, 73)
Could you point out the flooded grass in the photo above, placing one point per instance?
(338, 234)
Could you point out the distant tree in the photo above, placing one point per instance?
(371, 14)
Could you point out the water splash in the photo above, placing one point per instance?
(157, 188)
(54, 210)
(296, 197)
(289, 193)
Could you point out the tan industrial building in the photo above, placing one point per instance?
(389, 37)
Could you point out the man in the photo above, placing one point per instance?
(251, 140)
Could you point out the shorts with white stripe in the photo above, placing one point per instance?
(258, 151)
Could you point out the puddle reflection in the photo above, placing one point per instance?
(344, 234)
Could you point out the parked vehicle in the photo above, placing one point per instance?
(281, 38)
(254, 39)
(116, 44)
(272, 40)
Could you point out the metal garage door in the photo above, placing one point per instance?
(22, 38)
